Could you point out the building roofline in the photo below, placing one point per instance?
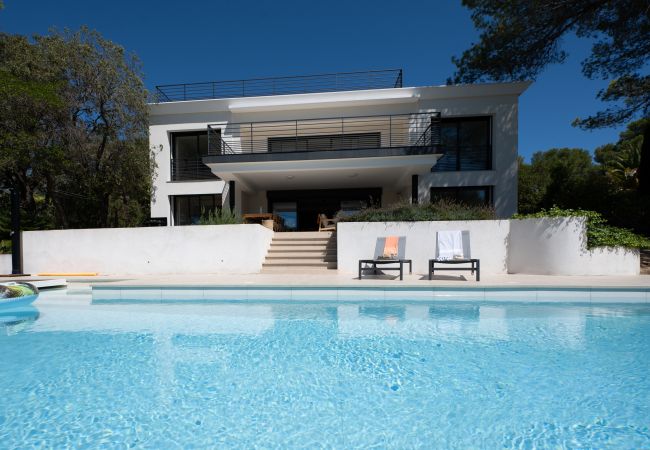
(349, 98)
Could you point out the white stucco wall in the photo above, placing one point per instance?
(558, 246)
(5, 264)
(159, 139)
(498, 101)
(157, 250)
(488, 242)
(530, 246)
(503, 110)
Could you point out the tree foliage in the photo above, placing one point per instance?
(74, 129)
(519, 38)
(564, 177)
(621, 160)
(408, 212)
(570, 179)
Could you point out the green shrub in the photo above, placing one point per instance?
(223, 216)
(5, 247)
(406, 212)
(599, 233)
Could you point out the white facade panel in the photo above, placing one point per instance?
(499, 101)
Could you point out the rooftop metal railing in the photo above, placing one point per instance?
(342, 133)
(301, 84)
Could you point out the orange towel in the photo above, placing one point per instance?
(390, 247)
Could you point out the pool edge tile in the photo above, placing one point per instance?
(361, 294)
(142, 294)
(569, 295)
(176, 294)
(462, 294)
(406, 294)
(511, 295)
(225, 294)
(106, 294)
(618, 296)
(301, 294)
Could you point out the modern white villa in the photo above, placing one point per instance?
(302, 146)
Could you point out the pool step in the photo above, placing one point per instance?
(295, 251)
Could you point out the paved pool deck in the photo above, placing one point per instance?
(346, 287)
(350, 280)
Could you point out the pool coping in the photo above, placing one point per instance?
(157, 293)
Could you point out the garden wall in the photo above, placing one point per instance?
(215, 249)
(488, 242)
(558, 246)
(5, 264)
(548, 246)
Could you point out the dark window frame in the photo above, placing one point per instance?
(172, 157)
(489, 191)
(458, 147)
(174, 199)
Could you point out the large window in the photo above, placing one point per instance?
(187, 209)
(325, 142)
(188, 150)
(470, 195)
(467, 144)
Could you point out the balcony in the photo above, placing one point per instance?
(190, 170)
(320, 138)
(259, 87)
(388, 146)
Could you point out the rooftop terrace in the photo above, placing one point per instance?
(259, 87)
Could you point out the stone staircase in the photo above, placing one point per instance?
(301, 251)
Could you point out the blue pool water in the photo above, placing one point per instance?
(334, 375)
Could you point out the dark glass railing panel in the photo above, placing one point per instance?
(191, 169)
(323, 143)
(257, 87)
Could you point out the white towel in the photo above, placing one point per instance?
(450, 244)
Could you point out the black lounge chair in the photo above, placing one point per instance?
(387, 261)
(454, 255)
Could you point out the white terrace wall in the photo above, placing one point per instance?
(214, 249)
(488, 242)
(558, 246)
(5, 264)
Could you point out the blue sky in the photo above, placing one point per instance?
(192, 41)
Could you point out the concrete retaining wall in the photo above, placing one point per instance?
(558, 246)
(488, 242)
(5, 264)
(158, 250)
(549, 246)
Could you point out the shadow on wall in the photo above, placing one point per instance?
(506, 121)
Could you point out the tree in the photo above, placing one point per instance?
(29, 113)
(80, 140)
(563, 177)
(621, 160)
(519, 38)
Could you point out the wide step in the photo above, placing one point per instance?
(297, 262)
(301, 255)
(301, 250)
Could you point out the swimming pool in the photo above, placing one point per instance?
(324, 374)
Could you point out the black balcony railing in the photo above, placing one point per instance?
(190, 169)
(343, 133)
(257, 87)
